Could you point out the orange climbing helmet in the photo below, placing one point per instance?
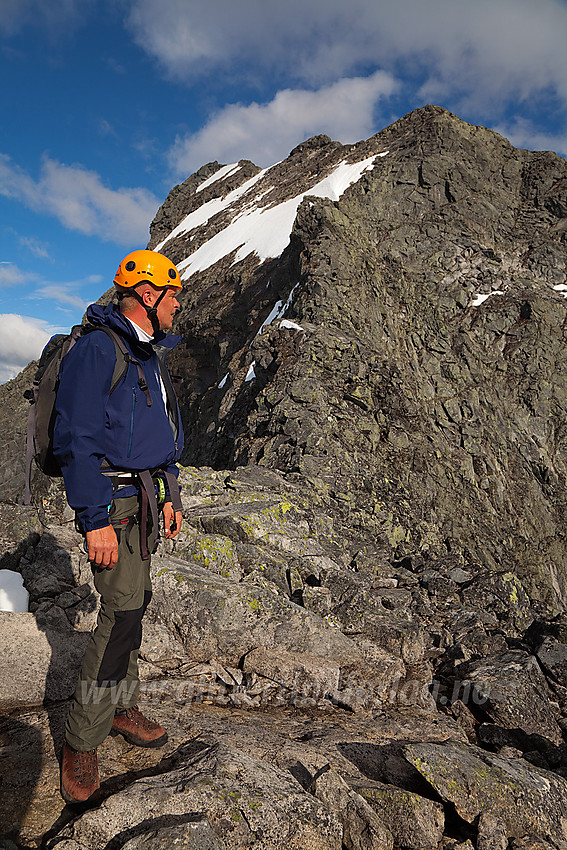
(147, 266)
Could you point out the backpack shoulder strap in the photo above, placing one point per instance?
(171, 398)
(123, 358)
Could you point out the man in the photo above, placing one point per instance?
(118, 446)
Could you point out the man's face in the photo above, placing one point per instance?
(167, 308)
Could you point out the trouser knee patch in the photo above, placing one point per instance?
(126, 635)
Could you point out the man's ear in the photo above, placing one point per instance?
(148, 297)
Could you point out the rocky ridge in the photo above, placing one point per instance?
(358, 640)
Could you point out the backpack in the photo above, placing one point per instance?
(42, 395)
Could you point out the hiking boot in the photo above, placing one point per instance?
(79, 774)
(137, 729)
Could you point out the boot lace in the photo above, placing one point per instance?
(85, 767)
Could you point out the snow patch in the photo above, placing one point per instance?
(222, 173)
(344, 175)
(208, 210)
(285, 323)
(264, 232)
(481, 297)
(13, 595)
(223, 382)
(251, 374)
(274, 314)
(278, 311)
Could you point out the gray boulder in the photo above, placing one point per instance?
(552, 656)
(37, 663)
(192, 832)
(217, 793)
(363, 828)
(513, 691)
(415, 822)
(251, 626)
(478, 783)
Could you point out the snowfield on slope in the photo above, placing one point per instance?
(264, 231)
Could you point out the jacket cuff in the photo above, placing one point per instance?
(90, 523)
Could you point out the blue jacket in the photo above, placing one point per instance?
(92, 424)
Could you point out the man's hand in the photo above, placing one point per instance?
(102, 544)
(171, 521)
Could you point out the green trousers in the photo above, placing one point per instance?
(109, 675)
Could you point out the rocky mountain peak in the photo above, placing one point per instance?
(423, 271)
(313, 143)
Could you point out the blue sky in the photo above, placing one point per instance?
(107, 104)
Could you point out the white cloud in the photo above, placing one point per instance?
(305, 38)
(267, 132)
(80, 200)
(21, 340)
(64, 294)
(35, 246)
(10, 274)
(491, 50)
(524, 134)
(105, 128)
(482, 49)
(53, 16)
(60, 293)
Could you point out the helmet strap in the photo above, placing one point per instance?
(151, 311)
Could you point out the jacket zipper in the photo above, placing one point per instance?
(131, 436)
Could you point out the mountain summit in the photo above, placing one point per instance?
(385, 320)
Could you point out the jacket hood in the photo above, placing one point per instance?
(110, 316)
